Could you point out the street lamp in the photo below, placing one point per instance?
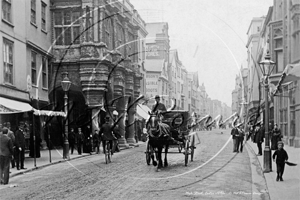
(267, 67)
(65, 84)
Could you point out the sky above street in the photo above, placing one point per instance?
(210, 36)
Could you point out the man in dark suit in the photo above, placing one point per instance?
(235, 135)
(106, 134)
(11, 135)
(158, 106)
(72, 138)
(20, 147)
(6, 151)
(79, 140)
(259, 138)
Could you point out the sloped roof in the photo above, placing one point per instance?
(154, 65)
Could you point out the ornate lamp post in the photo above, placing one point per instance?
(267, 67)
(65, 84)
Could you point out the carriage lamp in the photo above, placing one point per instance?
(66, 84)
(267, 67)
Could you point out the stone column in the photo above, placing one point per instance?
(119, 84)
(126, 39)
(129, 86)
(93, 78)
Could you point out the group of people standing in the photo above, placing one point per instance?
(92, 141)
(12, 150)
(238, 136)
(257, 135)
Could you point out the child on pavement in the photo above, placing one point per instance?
(281, 157)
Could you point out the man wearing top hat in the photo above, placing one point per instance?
(158, 106)
(20, 146)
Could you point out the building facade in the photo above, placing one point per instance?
(284, 36)
(254, 70)
(96, 43)
(157, 62)
(25, 41)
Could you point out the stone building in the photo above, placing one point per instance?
(253, 33)
(284, 38)
(96, 44)
(178, 75)
(157, 62)
(25, 40)
(193, 84)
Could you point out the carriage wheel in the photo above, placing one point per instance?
(148, 154)
(186, 152)
(192, 147)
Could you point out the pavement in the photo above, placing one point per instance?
(54, 156)
(289, 189)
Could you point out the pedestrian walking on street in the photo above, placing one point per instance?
(281, 157)
(240, 138)
(71, 137)
(259, 138)
(20, 147)
(106, 134)
(276, 136)
(80, 139)
(116, 132)
(235, 134)
(11, 135)
(6, 151)
(96, 141)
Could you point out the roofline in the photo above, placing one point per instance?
(255, 19)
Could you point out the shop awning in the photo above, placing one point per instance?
(9, 106)
(142, 111)
(49, 113)
(292, 72)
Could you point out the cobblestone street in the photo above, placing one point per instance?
(226, 176)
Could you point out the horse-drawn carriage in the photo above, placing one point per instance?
(170, 129)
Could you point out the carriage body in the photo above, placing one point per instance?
(179, 122)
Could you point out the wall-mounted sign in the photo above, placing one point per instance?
(152, 84)
(152, 51)
(29, 84)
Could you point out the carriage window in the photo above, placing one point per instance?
(178, 121)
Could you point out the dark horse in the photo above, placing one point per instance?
(159, 137)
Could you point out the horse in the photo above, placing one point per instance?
(159, 137)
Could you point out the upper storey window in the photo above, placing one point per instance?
(67, 27)
(6, 10)
(33, 12)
